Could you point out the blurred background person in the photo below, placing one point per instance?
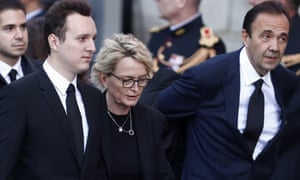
(36, 8)
(132, 132)
(36, 40)
(14, 42)
(35, 12)
(183, 43)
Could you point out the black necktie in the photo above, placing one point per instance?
(75, 121)
(12, 75)
(255, 116)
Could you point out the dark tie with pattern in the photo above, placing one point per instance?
(75, 121)
(12, 75)
(255, 116)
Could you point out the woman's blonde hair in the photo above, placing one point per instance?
(115, 48)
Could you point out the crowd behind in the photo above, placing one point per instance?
(176, 107)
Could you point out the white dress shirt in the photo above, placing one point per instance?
(272, 112)
(61, 85)
(5, 69)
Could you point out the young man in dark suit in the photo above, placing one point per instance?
(49, 121)
(13, 44)
(229, 138)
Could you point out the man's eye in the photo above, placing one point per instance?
(8, 28)
(283, 39)
(82, 39)
(266, 37)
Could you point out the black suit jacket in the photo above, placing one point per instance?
(28, 66)
(289, 146)
(148, 131)
(215, 148)
(36, 140)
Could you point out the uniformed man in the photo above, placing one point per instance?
(185, 39)
(185, 42)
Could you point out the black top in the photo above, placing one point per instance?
(124, 155)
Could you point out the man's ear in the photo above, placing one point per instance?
(53, 41)
(245, 37)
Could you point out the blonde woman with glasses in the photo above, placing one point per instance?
(132, 132)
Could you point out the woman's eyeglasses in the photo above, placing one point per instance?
(128, 83)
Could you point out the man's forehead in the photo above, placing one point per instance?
(77, 22)
(12, 16)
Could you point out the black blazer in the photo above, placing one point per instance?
(215, 148)
(148, 131)
(289, 146)
(36, 141)
(28, 66)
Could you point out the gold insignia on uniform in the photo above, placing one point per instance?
(169, 44)
(208, 38)
(206, 51)
(156, 29)
(198, 57)
(179, 32)
(291, 60)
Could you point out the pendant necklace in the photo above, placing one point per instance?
(121, 129)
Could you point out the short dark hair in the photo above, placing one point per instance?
(11, 4)
(196, 3)
(269, 7)
(55, 19)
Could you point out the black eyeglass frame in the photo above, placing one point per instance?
(129, 83)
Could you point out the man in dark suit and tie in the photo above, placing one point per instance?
(49, 120)
(13, 44)
(237, 102)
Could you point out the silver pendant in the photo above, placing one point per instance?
(120, 129)
(131, 132)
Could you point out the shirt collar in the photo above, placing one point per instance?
(248, 71)
(5, 68)
(33, 13)
(183, 23)
(59, 82)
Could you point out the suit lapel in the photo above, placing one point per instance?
(50, 95)
(278, 92)
(27, 66)
(106, 139)
(90, 111)
(275, 75)
(142, 137)
(2, 82)
(231, 84)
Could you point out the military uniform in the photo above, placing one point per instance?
(177, 45)
(175, 51)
